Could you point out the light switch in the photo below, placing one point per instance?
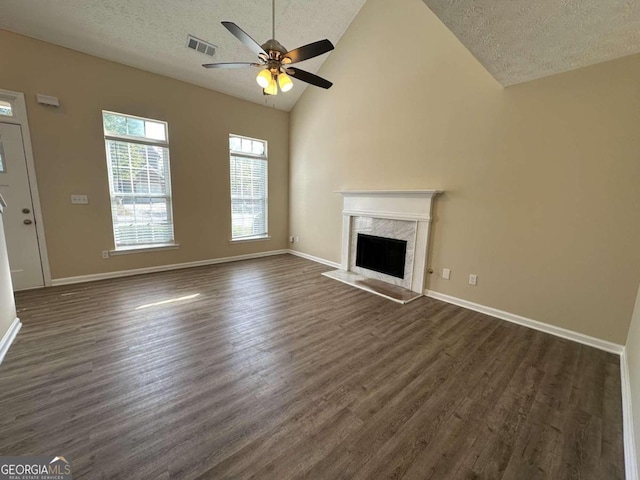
(79, 199)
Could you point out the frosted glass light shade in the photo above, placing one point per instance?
(264, 78)
(285, 82)
(272, 88)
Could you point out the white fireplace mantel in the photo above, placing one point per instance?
(394, 204)
(408, 205)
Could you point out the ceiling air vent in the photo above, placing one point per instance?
(201, 46)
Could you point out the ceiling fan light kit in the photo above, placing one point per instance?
(264, 78)
(272, 88)
(284, 82)
(274, 60)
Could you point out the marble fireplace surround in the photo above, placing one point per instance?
(380, 211)
(386, 228)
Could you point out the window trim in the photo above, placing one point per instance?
(144, 119)
(138, 140)
(144, 248)
(139, 248)
(253, 156)
(235, 153)
(254, 238)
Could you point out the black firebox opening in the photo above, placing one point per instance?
(384, 255)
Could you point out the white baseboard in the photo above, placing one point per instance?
(9, 337)
(315, 259)
(630, 460)
(527, 322)
(160, 268)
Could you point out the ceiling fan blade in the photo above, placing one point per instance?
(231, 65)
(309, 77)
(309, 51)
(241, 35)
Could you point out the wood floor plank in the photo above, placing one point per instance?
(458, 422)
(266, 369)
(490, 453)
(475, 423)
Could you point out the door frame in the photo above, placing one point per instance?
(19, 117)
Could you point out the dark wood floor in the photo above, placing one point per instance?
(274, 371)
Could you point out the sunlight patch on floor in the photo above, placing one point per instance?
(171, 300)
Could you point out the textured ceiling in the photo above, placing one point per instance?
(521, 40)
(152, 34)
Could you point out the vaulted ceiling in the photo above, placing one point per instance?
(515, 40)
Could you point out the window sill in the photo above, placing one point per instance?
(258, 238)
(143, 249)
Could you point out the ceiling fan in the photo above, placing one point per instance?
(274, 60)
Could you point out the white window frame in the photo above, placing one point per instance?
(137, 248)
(264, 157)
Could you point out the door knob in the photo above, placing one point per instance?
(26, 210)
(27, 222)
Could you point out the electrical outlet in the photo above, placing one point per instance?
(79, 199)
(105, 253)
(446, 273)
(297, 239)
(473, 279)
(291, 239)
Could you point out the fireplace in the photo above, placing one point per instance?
(381, 254)
(385, 236)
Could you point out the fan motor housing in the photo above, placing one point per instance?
(274, 46)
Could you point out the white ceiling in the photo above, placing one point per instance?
(152, 34)
(521, 40)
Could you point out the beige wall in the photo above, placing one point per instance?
(542, 180)
(7, 303)
(70, 157)
(633, 363)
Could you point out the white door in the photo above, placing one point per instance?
(19, 221)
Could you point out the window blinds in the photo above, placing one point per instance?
(248, 190)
